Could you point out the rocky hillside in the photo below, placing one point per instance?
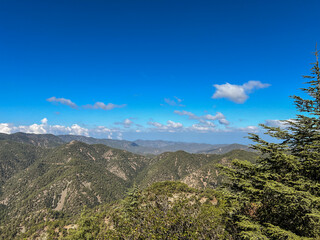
(39, 182)
(197, 170)
(165, 210)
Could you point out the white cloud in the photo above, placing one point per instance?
(63, 101)
(101, 105)
(156, 124)
(97, 105)
(119, 137)
(103, 131)
(74, 129)
(224, 121)
(179, 127)
(77, 130)
(252, 85)
(218, 116)
(250, 129)
(237, 93)
(172, 102)
(203, 128)
(5, 128)
(203, 119)
(234, 93)
(171, 126)
(207, 123)
(200, 127)
(44, 121)
(127, 123)
(35, 128)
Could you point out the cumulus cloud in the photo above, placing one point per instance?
(174, 102)
(202, 127)
(205, 118)
(127, 123)
(219, 116)
(205, 122)
(224, 121)
(5, 128)
(101, 105)
(171, 126)
(250, 129)
(74, 129)
(44, 121)
(102, 131)
(237, 93)
(63, 101)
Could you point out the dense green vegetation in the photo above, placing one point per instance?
(42, 185)
(65, 179)
(40, 140)
(16, 157)
(165, 210)
(197, 170)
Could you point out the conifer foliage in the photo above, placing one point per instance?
(279, 196)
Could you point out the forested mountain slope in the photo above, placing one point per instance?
(41, 140)
(15, 157)
(197, 170)
(40, 182)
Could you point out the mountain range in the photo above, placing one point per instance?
(144, 147)
(44, 176)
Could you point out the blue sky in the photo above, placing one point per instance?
(195, 71)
